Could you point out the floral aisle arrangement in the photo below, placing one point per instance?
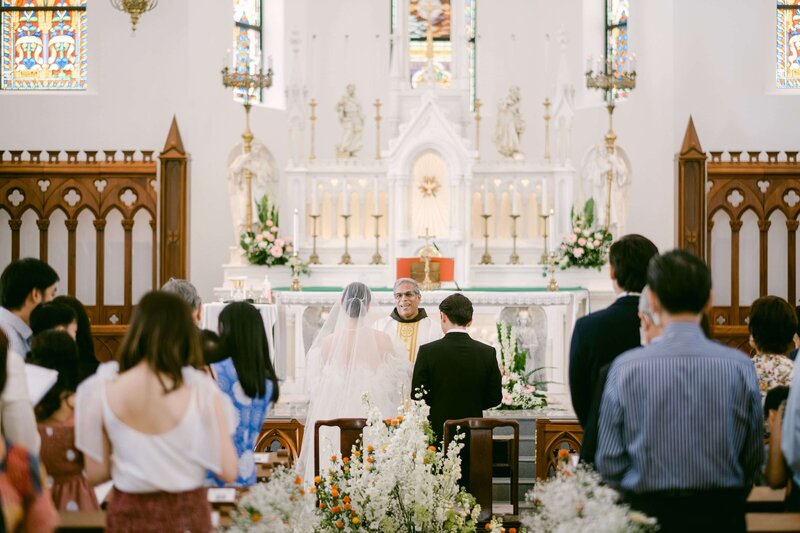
(398, 482)
(575, 500)
(280, 506)
(265, 245)
(519, 391)
(585, 247)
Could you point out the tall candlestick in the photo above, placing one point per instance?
(376, 198)
(296, 230)
(552, 221)
(314, 199)
(514, 203)
(345, 199)
(485, 188)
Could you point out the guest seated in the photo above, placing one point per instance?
(53, 315)
(17, 421)
(56, 416)
(26, 502)
(248, 378)
(155, 425)
(87, 361)
(772, 325)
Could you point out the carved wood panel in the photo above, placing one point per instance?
(551, 436)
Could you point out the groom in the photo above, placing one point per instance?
(459, 375)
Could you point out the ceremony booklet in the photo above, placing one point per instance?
(40, 380)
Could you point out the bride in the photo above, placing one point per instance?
(346, 360)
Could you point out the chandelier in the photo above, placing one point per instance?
(135, 8)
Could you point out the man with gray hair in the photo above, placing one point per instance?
(188, 294)
(407, 322)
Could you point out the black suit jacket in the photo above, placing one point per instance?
(460, 376)
(597, 340)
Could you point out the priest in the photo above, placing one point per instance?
(408, 323)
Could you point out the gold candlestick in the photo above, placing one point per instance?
(377, 105)
(295, 286)
(486, 258)
(552, 285)
(547, 130)
(345, 260)
(313, 118)
(313, 259)
(478, 105)
(376, 257)
(546, 254)
(514, 259)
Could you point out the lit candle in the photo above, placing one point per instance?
(296, 231)
(514, 203)
(314, 199)
(600, 64)
(345, 199)
(546, 57)
(552, 232)
(269, 63)
(633, 63)
(544, 196)
(376, 197)
(485, 188)
(589, 64)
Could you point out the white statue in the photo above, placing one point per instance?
(510, 125)
(261, 165)
(595, 169)
(352, 120)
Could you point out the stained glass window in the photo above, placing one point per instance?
(787, 44)
(247, 39)
(617, 36)
(43, 45)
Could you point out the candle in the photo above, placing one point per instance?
(376, 196)
(600, 64)
(546, 57)
(296, 231)
(514, 202)
(485, 189)
(314, 199)
(589, 64)
(345, 199)
(551, 234)
(544, 196)
(633, 63)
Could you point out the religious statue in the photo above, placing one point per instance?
(510, 125)
(352, 120)
(596, 166)
(261, 165)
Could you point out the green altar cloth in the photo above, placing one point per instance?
(474, 289)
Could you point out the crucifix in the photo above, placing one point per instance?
(425, 254)
(429, 8)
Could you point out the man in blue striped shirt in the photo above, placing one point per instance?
(680, 421)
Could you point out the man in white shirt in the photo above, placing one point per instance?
(408, 323)
(24, 284)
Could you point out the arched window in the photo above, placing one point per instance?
(42, 45)
(617, 37)
(787, 44)
(247, 42)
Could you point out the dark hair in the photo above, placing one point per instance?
(629, 256)
(212, 347)
(244, 339)
(21, 277)
(355, 297)
(775, 396)
(797, 314)
(50, 315)
(163, 334)
(87, 361)
(3, 360)
(772, 323)
(680, 280)
(55, 350)
(457, 308)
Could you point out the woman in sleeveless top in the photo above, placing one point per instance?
(248, 378)
(154, 424)
(56, 416)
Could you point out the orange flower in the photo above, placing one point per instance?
(317, 479)
(335, 492)
(298, 480)
(312, 490)
(400, 418)
(345, 459)
(370, 460)
(333, 458)
(255, 517)
(357, 453)
(563, 454)
(347, 507)
(335, 509)
(431, 448)
(322, 505)
(355, 520)
(394, 422)
(346, 499)
(370, 448)
(512, 530)
(340, 524)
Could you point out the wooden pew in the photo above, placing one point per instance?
(772, 522)
(88, 521)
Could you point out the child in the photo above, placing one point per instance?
(55, 413)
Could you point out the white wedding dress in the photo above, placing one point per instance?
(346, 360)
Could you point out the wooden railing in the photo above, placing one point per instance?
(734, 184)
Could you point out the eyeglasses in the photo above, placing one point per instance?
(407, 294)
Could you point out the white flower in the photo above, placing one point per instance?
(262, 244)
(247, 239)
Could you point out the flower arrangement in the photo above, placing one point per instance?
(265, 245)
(398, 482)
(279, 506)
(576, 500)
(519, 392)
(585, 247)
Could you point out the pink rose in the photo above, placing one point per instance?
(279, 242)
(274, 229)
(270, 237)
(576, 230)
(268, 223)
(276, 251)
(506, 398)
(578, 253)
(596, 242)
(259, 238)
(572, 239)
(581, 242)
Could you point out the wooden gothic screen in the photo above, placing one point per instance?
(101, 183)
(735, 184)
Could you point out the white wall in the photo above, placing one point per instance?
(693, 59)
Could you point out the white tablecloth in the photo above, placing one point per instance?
(209, 319)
